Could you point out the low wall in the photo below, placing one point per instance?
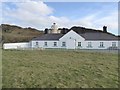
(16, 45)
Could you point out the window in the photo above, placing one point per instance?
(55, 44)
(79, 44)
(45, 44)
(113, 44)
(36, 43)
(89, 44)
(101, 44)
(63, 44)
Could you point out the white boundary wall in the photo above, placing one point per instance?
(16, 45)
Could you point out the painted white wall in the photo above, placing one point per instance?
(96, 44)
(16, 45)
(71, 39)
(73, 35)
(41, 44)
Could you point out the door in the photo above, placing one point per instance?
(71, 43)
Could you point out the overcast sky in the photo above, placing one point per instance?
(41, 15)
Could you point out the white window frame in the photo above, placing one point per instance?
(46, 44)
(114, 44)
(89, 45)
(101, 45)
(79, 44)
(55, 44)
(36, 43)
(63, 44)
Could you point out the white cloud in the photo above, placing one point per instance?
(111, 21)
(12, 0)
(28, 13)
(86, 21)
(96, 22)
(35, 7)
(37, 14)
(30, 8)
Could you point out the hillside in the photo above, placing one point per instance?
(12, 33)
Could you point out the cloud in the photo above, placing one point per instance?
(35, 7)
(30, 8)
(27, 13)
(16, 1)
(39, 15)
(94, 21)
(111, 21)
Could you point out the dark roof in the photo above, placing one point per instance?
(92, 34)
(98, 36)
(49, 37)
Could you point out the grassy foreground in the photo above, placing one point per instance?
(61, 69)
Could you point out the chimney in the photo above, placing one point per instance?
(46, 31)
(105, 29)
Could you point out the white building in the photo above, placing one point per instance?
(86, 39)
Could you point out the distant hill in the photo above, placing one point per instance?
(12, 33)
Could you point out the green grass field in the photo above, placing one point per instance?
(60, 69)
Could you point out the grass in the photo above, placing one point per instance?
(60, 69)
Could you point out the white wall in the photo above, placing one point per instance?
(96, 44)
(73, 35)
(71, 38)
(50, 44)
(16, 45)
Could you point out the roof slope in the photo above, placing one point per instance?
(49, 37)
(98, 36)
(92, 34)
(88, 34)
